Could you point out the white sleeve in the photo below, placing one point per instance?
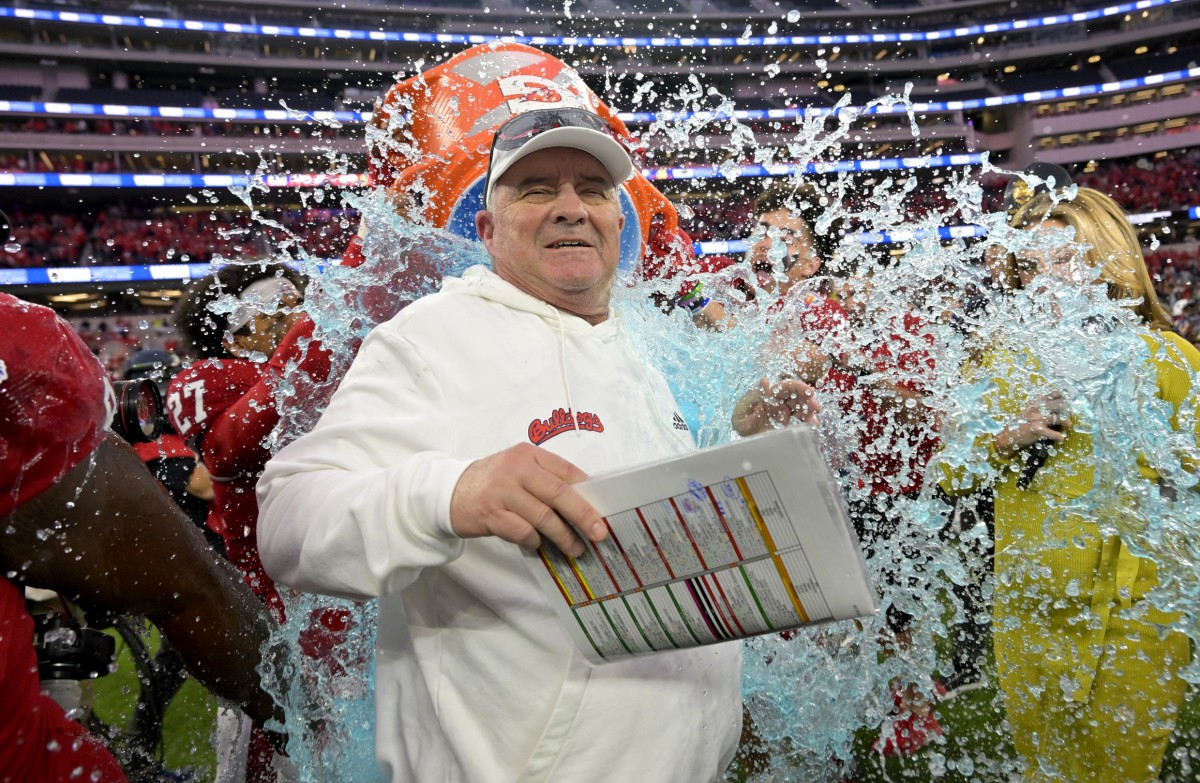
(359, 505)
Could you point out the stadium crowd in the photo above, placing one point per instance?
(129, 235)
(1167, 181)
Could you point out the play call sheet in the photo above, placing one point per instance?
(725, 543)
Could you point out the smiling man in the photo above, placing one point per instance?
(451, 444)
(785, 250)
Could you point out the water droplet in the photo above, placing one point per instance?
(12, 247)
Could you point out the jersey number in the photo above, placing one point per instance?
(175, 400)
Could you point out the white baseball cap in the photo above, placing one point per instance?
(541, 129)
(262, 296)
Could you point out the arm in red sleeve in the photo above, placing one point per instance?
(669, 256)
(233, 445)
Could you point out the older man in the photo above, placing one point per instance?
(453, 442)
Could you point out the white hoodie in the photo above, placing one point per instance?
(475, 681)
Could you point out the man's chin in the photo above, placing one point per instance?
(581, 285)
(579, 278)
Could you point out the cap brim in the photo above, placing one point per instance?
(600, 146)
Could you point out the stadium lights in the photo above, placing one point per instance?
(1143, 218)
(292, 31)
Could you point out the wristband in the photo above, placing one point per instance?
(694, 299)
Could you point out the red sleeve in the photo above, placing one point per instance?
(353, 257)
(668, 255)
(55, 401)
(233, 445)
(169, 446)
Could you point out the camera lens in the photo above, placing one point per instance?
(139, 414)
(147, 413)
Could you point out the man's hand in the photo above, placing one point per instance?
(523, 494)
(772, 406)
(1045, 418)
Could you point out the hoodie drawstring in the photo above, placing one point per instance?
(562, 367)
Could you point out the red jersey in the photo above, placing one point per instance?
(198, 402)
(821, 320)
(228, 406)
(893, 453)
(55, 401)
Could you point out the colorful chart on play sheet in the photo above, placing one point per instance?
(700, 553)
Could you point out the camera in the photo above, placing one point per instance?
(68, 651)
(139, 414)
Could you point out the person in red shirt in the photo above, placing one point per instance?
(243, 324)
(880, 426)
(785, 253)
(86, 519)
(233, 348)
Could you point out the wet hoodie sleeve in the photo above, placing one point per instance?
(357, 507)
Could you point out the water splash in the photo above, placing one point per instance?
(810, 696)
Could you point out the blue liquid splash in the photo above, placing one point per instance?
(811, 695)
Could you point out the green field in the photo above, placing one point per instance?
(189, 722)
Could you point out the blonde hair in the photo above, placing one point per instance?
(1114, 248)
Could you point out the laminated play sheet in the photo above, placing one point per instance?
(733, 541)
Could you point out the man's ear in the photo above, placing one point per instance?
(485, 227)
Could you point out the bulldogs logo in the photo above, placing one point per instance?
(542, 430)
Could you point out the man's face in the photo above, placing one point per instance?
(782, 242)
(555, 230)
(263, 333)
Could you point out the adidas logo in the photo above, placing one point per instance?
(678, 423)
